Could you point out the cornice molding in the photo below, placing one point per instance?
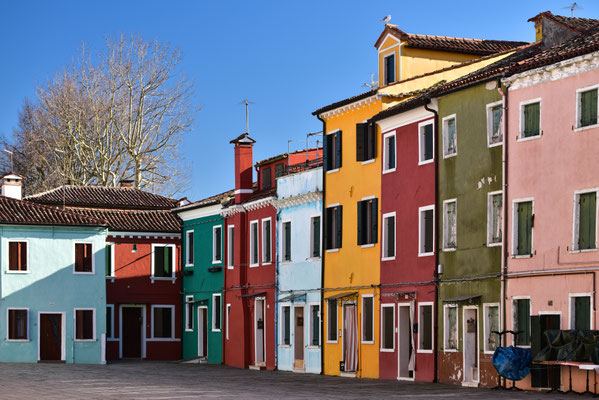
(297, 200)
(252, 205)
(349, 107)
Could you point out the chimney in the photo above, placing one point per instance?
(243, 167)
(11, 186)
(550, 31)
(126, 183)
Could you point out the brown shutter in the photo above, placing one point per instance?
(23, 256)
(13, 248)
(79, 255)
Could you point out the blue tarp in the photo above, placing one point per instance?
(512, 362)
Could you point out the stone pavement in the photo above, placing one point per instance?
(164, 380)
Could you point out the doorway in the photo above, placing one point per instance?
(405, 342)
(298, 334)
(350, 337)
(51, 340)
(543, 376)
(259, 331)
(202, 332)
(470, 342)
(132, 324)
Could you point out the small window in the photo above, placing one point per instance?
(389, 236)
(426, 142)
(18, 324)
(189, 313)
(315, 237)
(585, 221)
(367, 319)
(189, 245)
(279, 170)
(367, 221)
(389, 151)
(425, 327)
(530, 123)
(450, 139)
(84, 324)
(494, 123)
(388, 327)
(427, 231)
(332, 151)
(230, 246)
(266, 178)
(266, 241)
(217, 244)
(110, 259)
(286, 328)
(163, 261)
(522, 321)
(587, 107)
(580, 307)
(254, 243)
(523, 228)
(365, 141)
(110, 321)
(333, 221)
(17, 256)
(491, 325)
(315, 325)
(228, 315)
(495, 218)
(389, 68)
(216, 312)
(451, 328)
(83, 258)
(332, 320)
(163, 322)
(286, 245)
(450, 234)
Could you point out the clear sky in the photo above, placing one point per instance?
(289, 58)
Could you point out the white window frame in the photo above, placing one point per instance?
(490, 196)
(446, 328)
(214, 259)
(155, 339)
(576, 219)
(362, 320)
(8, 309)
(446, 225)
(382, 349)
(395, 72)
(228, 314)
(283, 244)
(421, 142)
(311, 254)
(189, 313)
(490, 107)
(75, 257)
(420, 306)
(163, 278)
(521, 138)
(384, 228)
(282, 325)
(310, 322)
(328, 340)
(8, 271)
(386, 137)
(487, 327)
(230, 246)
(263, 247)
(112, 318)
(571, 310)
(189, 244)
(515, 317)
(421, 235)
(444, 125)
(252, 238)
(579, 92)
(515, 203)
(214, 311)
(94, 338)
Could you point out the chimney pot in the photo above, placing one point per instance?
(126, 183)
(12, 185)
(243, 167)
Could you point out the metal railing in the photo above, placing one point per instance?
(304, 166)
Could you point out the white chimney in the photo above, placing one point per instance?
(11, 186)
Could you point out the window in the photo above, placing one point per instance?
(365, 141)
(189, 313)
(332, 321)
(389, 152)
(17, 256)
(332, 151)
(426, 142)
(585, 221)
(580, 309)
(109, 321)
(389, 236)
(230, 246)
(189, 249)
(426, 230)
(450, 234)
(163, 322)
(84, 258)
(450, 139)
(85, 321)
(217, 244)
(494, 218)
(523, 224)
(494, 123)
(279, 170)
(254, 244)
(266, 241)
(522, 321)
(530, 119)
(266, 178)
(425, 327)
(587, 107)
(286, 238)
(389, 68)
(162, 261)
(367, 221)
(315, 237)
(491, 321)
(333, 224)
(387, 327)
(450, 325)
(110, 259)
(216, 312)
(228, 312)
(315, 325)
(18, 324)
(367, 319)
(286, 327)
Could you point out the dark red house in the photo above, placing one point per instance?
(143, 274)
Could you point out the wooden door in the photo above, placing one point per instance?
(50, 337)
(259, 310)
(132, 329)
(298, 334)
(470, 343)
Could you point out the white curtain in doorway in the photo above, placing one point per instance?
(412, 363)
(351, 341)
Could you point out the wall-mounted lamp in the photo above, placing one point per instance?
(134, 249)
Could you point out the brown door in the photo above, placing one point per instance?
(298, 334)
(132, 325)
(50, 337)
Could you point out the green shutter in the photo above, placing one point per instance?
(588, 108)
(428, 142)
(582, 313)
(287, 229)
(587, 220)
(316, 237)
(339, 153)
(391, 157)
(532, 119)
(523, 319)
(287, 328)
(524, 228)
(315, 327)
(167, 261)
(361, 141)
(428, 231)
(108, 259)
(375, 223)
(390, 248)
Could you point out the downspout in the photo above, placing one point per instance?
(504, 222)
(322, 251)
(225, 268)
(276, 305)
(435, 271)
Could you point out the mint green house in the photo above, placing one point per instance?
(203, 260)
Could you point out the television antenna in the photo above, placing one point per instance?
(373, 84)
(247, 114)
(572, 7)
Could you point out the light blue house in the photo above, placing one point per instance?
(299, 250)
(53, 289)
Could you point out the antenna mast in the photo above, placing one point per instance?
(247, 103)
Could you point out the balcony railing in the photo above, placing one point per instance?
(304, 166)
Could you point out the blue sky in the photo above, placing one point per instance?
(289, 58)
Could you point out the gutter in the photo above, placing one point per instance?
(504, 222)
(322, 251)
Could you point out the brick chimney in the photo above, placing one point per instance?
(243, 167)
(551, 31)
(126, 183)
(11, 186)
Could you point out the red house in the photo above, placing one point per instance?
(143, 274)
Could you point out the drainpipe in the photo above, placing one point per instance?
(322, 251)
(276, 305)
(435, 271)
(224, 302)
(504, 222)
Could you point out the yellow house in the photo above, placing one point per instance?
(352, 187)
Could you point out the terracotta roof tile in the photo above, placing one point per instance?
(216, 199)
(262, 194)
(573, 23)
(135, 220)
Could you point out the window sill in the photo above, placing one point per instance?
(449, 250)
(586, 128)
(162, 278)
(388, 259)
(387, 350)
(332, 250)
(217, 261)
(254, 265)
(163, 340)
(368, 161)
(426, 254)
(111, 278)
(331, 171)
(494, 244)
(16, 272)
(526, 139)
(365, 246)
(265, 264)
(446, 156)
(490, 145)
(367, 342)
(522, 256)
(582, 251)
(313, 347)
(332, 341)
(284, 346)
(388, 171)
(313, 259)
(216, 330)
(188, 330)
(230, 267)
(426, 162)
(18, 340)
(450, 350)
(85, 340)
(424, 351)
(83, 273)
(488, 352)
(285, 262)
